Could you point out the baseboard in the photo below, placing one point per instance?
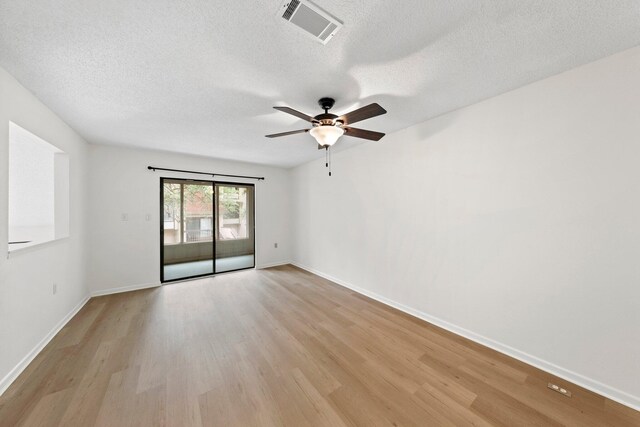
(272, 264)
(124, 289)
(17, 370)
(578, 379)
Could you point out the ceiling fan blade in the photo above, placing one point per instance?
(293, 112)
(362, 133)
(291, 132)
(366, 112)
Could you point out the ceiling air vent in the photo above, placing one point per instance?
(309, 18)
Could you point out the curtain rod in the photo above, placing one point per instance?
(153, 168)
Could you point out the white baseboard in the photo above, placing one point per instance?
(26, 360)
(272, 264)
(578, 379)
(124, 289)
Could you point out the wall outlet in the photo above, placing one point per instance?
(147, 217)
(275, 245)
(559, 389)
(125, 217)
(55, 288)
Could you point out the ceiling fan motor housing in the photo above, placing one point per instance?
(326, 119)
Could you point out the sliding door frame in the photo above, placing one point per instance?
(214, 220)
(253, 230)
(182, 225)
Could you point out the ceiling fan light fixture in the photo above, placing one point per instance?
(326, 135)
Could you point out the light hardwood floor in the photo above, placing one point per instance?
(279, 347)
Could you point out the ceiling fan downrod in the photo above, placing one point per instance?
(326, 104)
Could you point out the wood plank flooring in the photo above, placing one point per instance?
(279, 347)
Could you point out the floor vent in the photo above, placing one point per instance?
(310, 19)
(559, 389)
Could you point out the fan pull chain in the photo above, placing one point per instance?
(327, 158)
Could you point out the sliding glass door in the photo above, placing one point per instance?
(235, 224)
(187, 229)
(206, 228)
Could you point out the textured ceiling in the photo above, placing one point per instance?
(201, 76)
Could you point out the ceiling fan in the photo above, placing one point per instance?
(327, 128)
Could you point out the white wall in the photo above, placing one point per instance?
(127, 253)
(515, 221)
(29, 310)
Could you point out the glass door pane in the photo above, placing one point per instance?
(235, 223)
(187, 229)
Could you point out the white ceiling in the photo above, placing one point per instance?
(201, 76)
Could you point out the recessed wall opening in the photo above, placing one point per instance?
(38, 190)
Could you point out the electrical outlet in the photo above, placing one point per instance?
(125, 217)
(275, 245)
(55, 288)
(147, 217)
(559, 389)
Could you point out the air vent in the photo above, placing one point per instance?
(311, 19)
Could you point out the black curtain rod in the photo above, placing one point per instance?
(153, 168)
